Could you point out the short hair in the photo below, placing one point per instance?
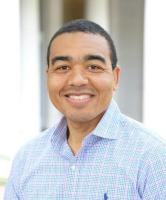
(86, 26)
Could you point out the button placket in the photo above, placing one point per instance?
(73, 167)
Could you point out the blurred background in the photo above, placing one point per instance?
(138, 29)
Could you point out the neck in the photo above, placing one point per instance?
(77, 131)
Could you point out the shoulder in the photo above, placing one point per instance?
(150, 157)
(147, 141)
(34, 147)
(41, 139)
(143, 152)
(37, 148)
(26, 158)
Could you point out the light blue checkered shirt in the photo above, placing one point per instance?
(119, 160)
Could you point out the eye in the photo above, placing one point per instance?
(62, 68)
(95, 68)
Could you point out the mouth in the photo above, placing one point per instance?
(79, 100)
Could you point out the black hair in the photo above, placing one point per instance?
(86, 26)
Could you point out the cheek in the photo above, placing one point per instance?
(53, 88)
(53, 84)
(104, 85)
(105, 91)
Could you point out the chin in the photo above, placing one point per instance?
(83, 118)
(79, 119)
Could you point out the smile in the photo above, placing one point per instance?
(79, 99)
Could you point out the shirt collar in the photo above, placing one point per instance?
(107, 128)
(58, 136)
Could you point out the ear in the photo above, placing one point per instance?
(46, 69)
(116, 76)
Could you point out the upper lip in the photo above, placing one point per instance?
(78, 94)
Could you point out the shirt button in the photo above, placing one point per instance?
(73, 167)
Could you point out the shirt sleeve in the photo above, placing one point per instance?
(154, 182)
(13, 185)
(10, 192)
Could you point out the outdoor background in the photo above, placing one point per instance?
(138, 28)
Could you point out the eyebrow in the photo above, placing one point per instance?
(95, 57)
(86, 58)
(60, 58)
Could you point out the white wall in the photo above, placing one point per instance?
(9, 83)
(30, 69)
(9, 76)
(155, 66)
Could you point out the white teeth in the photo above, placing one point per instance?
(80, 97)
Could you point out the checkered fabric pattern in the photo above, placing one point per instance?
(119, 160)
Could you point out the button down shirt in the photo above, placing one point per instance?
(118, 160)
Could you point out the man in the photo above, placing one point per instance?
(94, 152)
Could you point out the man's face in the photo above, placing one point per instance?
(80, 76)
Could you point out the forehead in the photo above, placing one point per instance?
(79, 43)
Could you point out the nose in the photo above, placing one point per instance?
(78, 78)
